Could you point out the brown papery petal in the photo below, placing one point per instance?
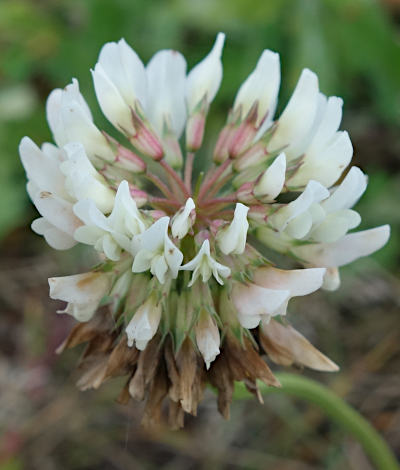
(285, 346)
(146, 369)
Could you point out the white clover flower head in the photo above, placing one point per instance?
(182, 294)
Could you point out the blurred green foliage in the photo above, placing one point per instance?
(351, 44)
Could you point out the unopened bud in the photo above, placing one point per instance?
(139, 196)
(172, 149)
(195, 131)
(256, 154)
(145, 139)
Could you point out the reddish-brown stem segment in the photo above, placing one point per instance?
(213, 178)
(175, 177)
(160, 185)
(189, 171)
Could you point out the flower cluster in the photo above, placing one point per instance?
(181, 295)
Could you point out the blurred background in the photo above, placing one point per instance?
(353, 46)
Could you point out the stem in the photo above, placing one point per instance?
(189, 171)
(175, 177)
(221, 183)
(219, 200)
(160, 185)
(213, 178)
(164, 202)
(338, 410)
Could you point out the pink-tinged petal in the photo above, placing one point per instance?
(297, 281)
(345, 250)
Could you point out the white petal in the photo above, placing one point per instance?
(144, 324)
(313, 193)
(345, 250)
(207, 338)
(249, 321)
(125, 216)
(252, 299)
(116, 110)
(205, 78)
(335, 226)
(348, 192)
(166, 74)
(173, 257)
(181, 222)
(83, 181)
(80, 288)
(331, 279)
(81, 312)
(125, 69)
(70, 121)
(262, 86)
(233, 238)
(328, 125)
(327, 165)
(142, 261)
(54, 237)
(42, 168)
(297, 118)
(271, 182)
(56, 210)
(153, 238)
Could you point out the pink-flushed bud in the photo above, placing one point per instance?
(129, 160)
(221, 151)
(254, 155)
(125, 158)
(138, 195)
(258, 214)
(245, 193)
(145, 139)
(173, 152)
(242, 139)
(195, 131)
(156, 214)
(207, 337)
